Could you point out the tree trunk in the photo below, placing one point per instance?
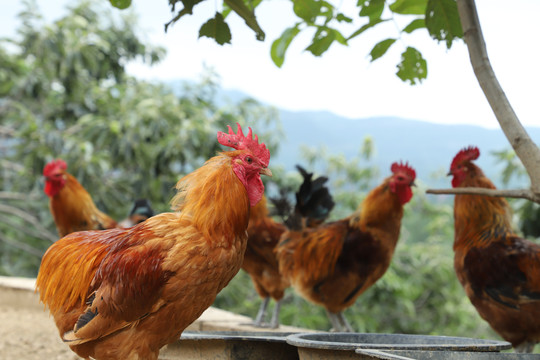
(525, 148)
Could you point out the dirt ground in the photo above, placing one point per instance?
(26, 330)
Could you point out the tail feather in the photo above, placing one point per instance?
(313, 202)
(142, 207)
(282, 207)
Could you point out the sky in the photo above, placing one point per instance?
(343, 81)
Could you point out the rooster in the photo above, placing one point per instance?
(313, 205)
(125, 293)
(70, 204)
(499, 270)
(331, 265)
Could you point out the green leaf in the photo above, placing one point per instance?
(365, 27)
(217, 29)
(323, 39)
(372, 9)
(307, 10)
(442, 21)
(281, 44)
(381, 48)
(409, 7)
(239, 7)
(415, 25)
(413, 66)
(252, 5)
(121, 4)
(186, 10)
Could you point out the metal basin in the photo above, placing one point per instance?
(335, 346)
(229, 345)
(441, 355)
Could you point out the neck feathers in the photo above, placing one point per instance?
(214, 198)
(259, 211)
(381, 209)
(480, 218)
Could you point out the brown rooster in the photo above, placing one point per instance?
(260, 261)
(125, 293)
(499, 270)
(314, 203)
(71, 205)
(333, 264)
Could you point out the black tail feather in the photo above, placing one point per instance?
(313, 202)
(282, 205)
(142, 207)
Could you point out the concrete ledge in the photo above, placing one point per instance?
(19, 293)
(17, 283)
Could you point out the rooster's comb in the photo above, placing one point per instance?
(403, 167)
(240, 142)
(53, 166)
(465, 154)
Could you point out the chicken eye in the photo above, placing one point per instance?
(249, 160)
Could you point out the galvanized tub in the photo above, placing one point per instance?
(442, 355)
(337, 346)
(229, 345)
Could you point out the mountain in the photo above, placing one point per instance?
(427, 146)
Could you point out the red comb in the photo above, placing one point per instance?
(240, 142)
(465, 154)
(53, 165)
(403, 167)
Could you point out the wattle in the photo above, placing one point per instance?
(255, 190)
(52, 188)
(252, 182)
(405, 195)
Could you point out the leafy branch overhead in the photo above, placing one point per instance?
(439, 17)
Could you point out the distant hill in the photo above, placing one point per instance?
(427, 146)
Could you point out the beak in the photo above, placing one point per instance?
(266, 171)
(449, 173)
(413, 184)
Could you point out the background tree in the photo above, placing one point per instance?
(68, 96)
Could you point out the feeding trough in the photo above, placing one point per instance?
(229, 345)
(336, 346)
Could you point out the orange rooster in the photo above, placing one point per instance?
(499, 270)
(313, 204)
(71, 205)
(125, 293)
(333, 264)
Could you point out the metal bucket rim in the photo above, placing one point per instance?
(236, 335)
(302, 340)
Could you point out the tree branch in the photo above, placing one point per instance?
(28, 230)
(29, 218)
(525, 148)
(7, 195)
(21, 246)
(518, 194)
